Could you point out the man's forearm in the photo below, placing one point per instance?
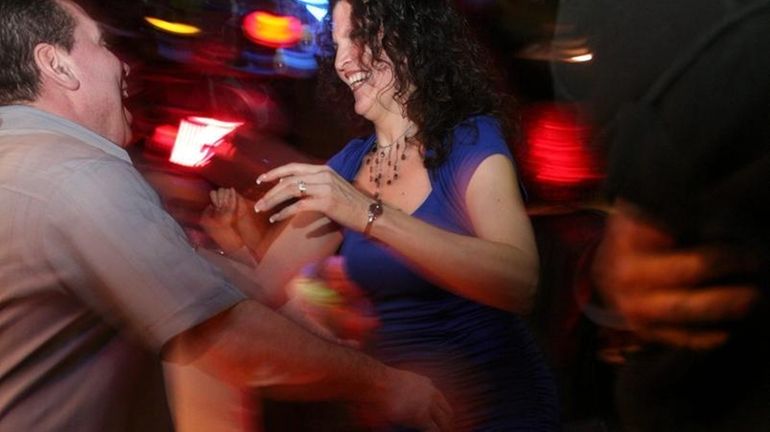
(250, 345)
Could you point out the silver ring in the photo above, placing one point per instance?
(302, 186)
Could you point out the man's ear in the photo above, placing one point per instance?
(55, 65)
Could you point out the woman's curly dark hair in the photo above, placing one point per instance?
(432, 50)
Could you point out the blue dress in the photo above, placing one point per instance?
(484, 359)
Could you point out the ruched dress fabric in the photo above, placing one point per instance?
(484, 359)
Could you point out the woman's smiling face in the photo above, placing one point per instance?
(372, 83)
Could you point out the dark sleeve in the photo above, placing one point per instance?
(697, 158)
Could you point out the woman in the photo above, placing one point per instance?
(426, 212)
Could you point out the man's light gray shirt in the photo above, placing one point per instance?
(95, 277)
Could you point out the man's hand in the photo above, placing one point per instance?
(219, 219)
(411, 400)
(668, 294)
(326, 296)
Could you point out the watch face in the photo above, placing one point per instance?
(375, 209)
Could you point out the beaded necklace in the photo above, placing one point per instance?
(383, 161)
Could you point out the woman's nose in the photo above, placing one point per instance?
(341, 60)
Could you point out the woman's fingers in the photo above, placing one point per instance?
(295, 188)
(295, 179)
(289, 170)
(285, 213)
(314, 187)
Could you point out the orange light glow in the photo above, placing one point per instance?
(272, 30)
(173, 27)
(197, 139)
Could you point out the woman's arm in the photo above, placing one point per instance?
(498, 267)
(281, 250)
(308, 237)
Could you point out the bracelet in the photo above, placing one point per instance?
(373, 212)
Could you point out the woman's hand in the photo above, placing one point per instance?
(318, 188)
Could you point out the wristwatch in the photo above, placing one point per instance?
(374, 211)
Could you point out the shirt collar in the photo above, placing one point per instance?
(27, 118)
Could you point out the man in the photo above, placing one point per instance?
(97, 282)
(685, 258)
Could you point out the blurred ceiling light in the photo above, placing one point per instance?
(197, 138)
(274, 31)
(173, 27)
(567, 50)
(317, 8)
(580, 58)
(318, 12)
(301, 61)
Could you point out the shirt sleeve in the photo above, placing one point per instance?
(121, 254)
(346, 162)
(474, 141)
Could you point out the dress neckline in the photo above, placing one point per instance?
(359, 166)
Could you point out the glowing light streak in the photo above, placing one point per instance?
(197, 138)
(558, 152)
(318, 12)
(272, 30)
(296, 60)
(163, 137)
(173, 27)
(580, 58)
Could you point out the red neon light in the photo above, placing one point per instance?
(272, 30)
(558, 148)
(163, 137)
(197, 138)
